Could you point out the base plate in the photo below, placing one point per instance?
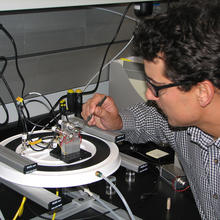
(70, 158)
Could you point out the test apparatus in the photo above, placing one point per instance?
(69, 155)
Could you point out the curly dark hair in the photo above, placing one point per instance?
(188, 37)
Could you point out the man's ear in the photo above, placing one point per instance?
(205, 92)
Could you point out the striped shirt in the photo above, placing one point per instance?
(197, 151)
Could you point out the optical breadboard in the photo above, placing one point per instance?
(54, 173)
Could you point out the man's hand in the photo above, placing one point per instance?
(105, 116)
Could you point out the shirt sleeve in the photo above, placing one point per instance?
(144, 122)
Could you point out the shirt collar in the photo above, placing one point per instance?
(203, 139)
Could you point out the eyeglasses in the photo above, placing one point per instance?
(155, 89)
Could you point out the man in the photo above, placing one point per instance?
(181, 52)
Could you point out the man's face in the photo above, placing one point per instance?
(181, 108)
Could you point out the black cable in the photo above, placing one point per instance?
(44, 98)
(106, 52)
(35, 100)
(103, 61)
(47, 144)
(21, 116)
(41, 148)
(26, 110)
(16, 57)
(3, 59)
(58, 114)
(18, 69)
(35, 124)
(1, 101)
(58, 101)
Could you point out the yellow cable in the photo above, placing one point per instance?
(125, 59)
(54, 214)
(35, 142)
(57, 192)
(20, 209)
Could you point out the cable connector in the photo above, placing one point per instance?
(19, 99)
(86, 190)
(180, 184)
(24, 138)
(98, 174)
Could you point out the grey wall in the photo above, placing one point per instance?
(59, 49)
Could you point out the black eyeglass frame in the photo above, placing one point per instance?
(155, 89)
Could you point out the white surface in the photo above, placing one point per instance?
(63, 178)
(8, 5)
(156, 153)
